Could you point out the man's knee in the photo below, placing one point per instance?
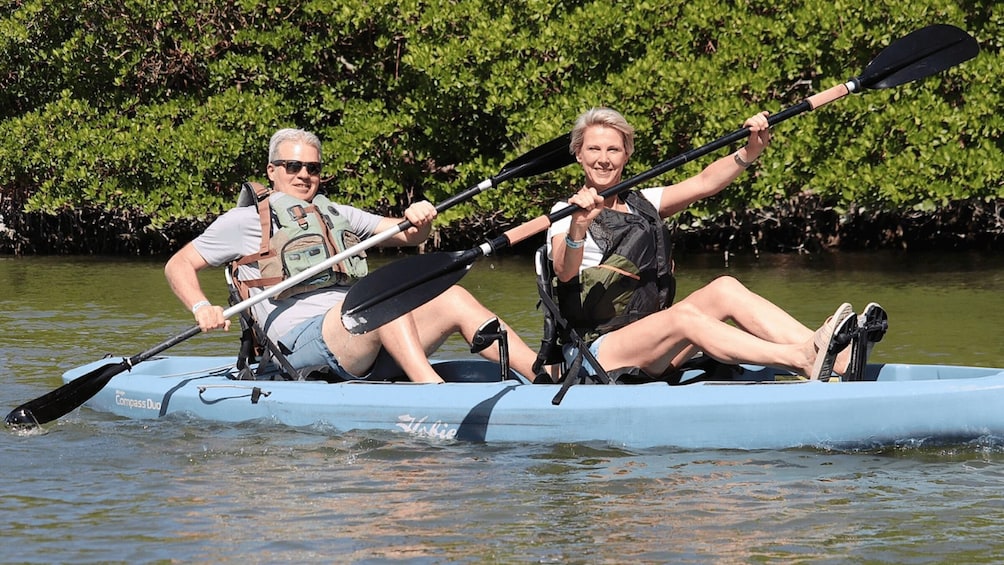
(459, 293)
(456, 300)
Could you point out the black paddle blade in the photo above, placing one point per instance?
(541, 159)
(920, 54)
(380, 297)
(548, 157)
(64, 399)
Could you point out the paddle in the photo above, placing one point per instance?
(406, 284)
(63, 400)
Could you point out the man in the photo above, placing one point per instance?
(308, 323)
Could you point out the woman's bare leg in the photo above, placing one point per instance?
(655, 341)
(728, 300)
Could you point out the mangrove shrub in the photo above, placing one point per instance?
(155, 112)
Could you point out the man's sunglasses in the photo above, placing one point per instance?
(293, 167)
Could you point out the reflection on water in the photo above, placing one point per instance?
(227, 494)
(95, 488)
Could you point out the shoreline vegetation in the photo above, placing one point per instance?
(800, 224)
(126, 127)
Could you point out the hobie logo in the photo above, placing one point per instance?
(414, 426)
(148, 404)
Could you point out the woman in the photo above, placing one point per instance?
(615, 275)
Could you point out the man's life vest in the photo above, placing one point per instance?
(295, 236)
(634, 279)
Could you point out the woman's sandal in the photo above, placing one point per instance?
(831, 339)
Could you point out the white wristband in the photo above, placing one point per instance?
(574, 244)
(200, 304)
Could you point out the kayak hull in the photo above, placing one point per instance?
(899, 403)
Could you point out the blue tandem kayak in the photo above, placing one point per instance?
(766, 409)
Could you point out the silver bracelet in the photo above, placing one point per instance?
(573, 244)
(199, 304)
(741, 163)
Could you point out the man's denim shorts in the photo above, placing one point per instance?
(305, 347)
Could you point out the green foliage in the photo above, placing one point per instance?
(165, 108)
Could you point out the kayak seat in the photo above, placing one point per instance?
(557, 334)
(260, 358)
(559, 339)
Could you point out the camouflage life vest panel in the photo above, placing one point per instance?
(633, 280)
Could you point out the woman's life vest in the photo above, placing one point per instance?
(295, 236)
(634, 279)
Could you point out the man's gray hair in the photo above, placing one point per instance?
(292, 134)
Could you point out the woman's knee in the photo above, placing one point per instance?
(726, 285)
(718, 298)
(684, 313)
(718, 292)
(679, 317)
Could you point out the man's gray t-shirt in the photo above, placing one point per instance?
(237, 233)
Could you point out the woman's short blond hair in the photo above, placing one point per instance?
(602, 117)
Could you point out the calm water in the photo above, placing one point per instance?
(94, 488)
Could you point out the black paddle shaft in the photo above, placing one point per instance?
(545, 158)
